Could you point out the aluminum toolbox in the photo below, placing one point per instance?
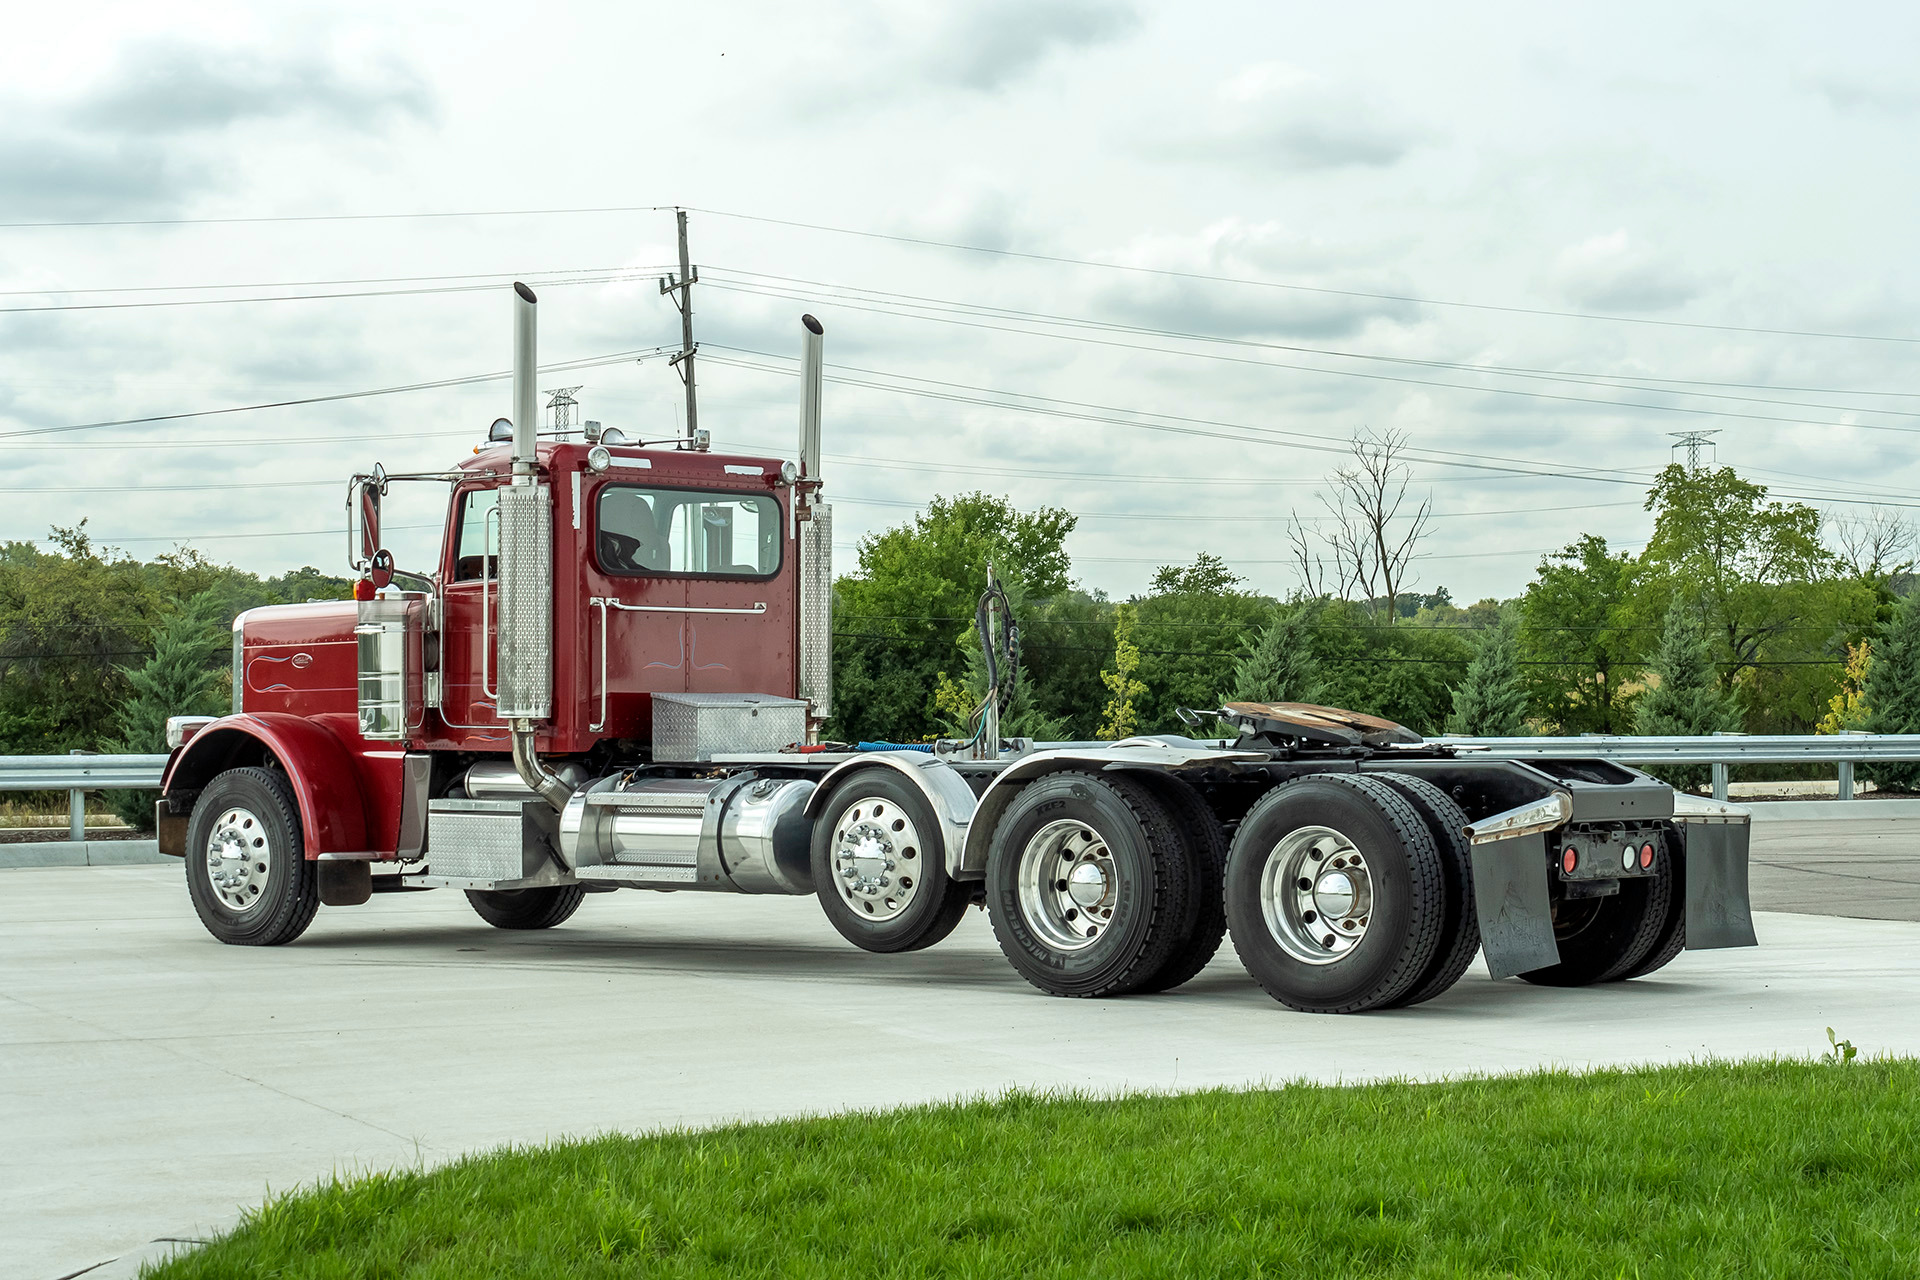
(690, 727)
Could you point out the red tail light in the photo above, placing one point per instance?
(1569, 860)
(1646, 856)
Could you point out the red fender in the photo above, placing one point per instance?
(319, 765)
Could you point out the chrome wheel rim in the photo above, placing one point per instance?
(239, 860)
(876, 858)
(1068, 885)
(1316, 893)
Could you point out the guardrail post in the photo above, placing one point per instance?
(1719, 781)
(76, 809)
(1846, 779)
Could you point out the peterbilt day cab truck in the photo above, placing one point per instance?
(615, 677)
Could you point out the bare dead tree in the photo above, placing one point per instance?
(1379, 526)
(1874, 542)
(1307, 559)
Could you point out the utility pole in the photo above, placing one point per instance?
(680, 288)
(1693, 442)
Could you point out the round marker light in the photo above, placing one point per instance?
(1646, 856)
(1626, 858)
(598, 458)
(1569, 860)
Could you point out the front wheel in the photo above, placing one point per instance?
(247, 870)
(879, 866)
(540, 908)
(1336, 895)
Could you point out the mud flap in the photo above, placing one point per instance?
(1510, 896)
(1719, 912)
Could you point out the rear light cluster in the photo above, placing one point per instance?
(1640, 855)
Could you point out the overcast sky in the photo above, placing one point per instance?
(1618, 191)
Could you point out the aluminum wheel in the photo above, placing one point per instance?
(1068, 886)
(876, 857)
(239, 860)
(1316, 894)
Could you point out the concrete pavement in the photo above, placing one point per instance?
(152, 1082)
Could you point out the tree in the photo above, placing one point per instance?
(1893, 688)
(182, 678)
(1873, 544)
(1578, 637)
(1121, 719)
(1687, 700)
(901, 617)
(1374, 533)
(1277, 664)
(1187, 629)
(1847, 709)
(1492, 701)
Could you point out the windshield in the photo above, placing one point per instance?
(687, 533)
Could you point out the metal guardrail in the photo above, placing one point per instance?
(1720, 750)
(80, 773)
(77, 774)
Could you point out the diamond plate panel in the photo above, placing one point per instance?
(471, 842)
(816, 611)
(526, 602)
(695, 726)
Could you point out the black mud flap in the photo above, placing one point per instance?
(1510, 894)
(1719, 912)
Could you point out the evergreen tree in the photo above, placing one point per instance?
(182, 678)
(955, 701)
(1893, 688)
(1688, 700)
(1492, 702)
(1277, 662)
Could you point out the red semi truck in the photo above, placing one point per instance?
(615, 677)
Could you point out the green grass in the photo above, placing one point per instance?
(1786, 1169)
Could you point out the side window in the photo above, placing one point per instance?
(478, 537)
(685, 533)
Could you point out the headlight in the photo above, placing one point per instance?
(598, 458)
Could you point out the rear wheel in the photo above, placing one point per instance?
(1673, 932)
(1460, 934)
(540, 908)
(880, 866)
(1086, 884)
(1335, 893)
(1603, 939)
(1205, 921)
(247, 870)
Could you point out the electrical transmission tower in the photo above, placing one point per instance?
(1694, 442)
(562, 405)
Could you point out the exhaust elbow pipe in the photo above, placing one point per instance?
(544, 783)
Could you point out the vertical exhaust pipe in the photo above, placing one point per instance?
(816, 541)
(526, 420)
(811, 361)
(526, 571)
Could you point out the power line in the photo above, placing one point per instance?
(1059, 259)
(926, 242)
(588, 363)
(327, 284)
(312, 297)
(1627, 382)
(1305, 368)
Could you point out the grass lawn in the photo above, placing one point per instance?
(1786, 1169)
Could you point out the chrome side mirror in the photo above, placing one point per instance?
(368, 490)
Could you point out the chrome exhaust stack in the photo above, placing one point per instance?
(816, 539)
(525, 694)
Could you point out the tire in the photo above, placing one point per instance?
(1391, 915)
(540, 908)
(1204, 924)
(1112, 927)
(1673, 931)
(1460, 933)
(880, 866)
(245, 829)
(1605, 939)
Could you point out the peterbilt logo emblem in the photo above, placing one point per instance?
(301, 661)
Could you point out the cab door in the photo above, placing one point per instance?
(469, 634)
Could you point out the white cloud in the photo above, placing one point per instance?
(1612, 272)
(1298, 120)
